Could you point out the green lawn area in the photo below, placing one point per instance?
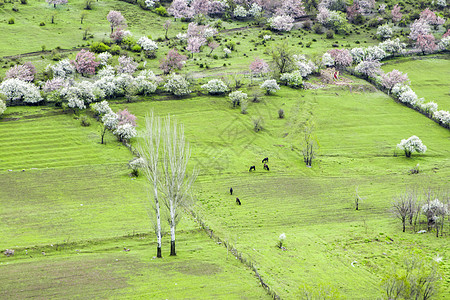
(69, 207)
(71, 197)
(429, 77)
(358, 133)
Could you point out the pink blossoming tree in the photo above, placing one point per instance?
(56, 2)
(342, 57)
(85, 62)
(388, 80)
(426, 43)
(173, 61)
(116, 19)
(23, 72)
(396, 15)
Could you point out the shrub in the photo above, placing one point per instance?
(2, 107)
(11, 21)
(231, 45)
(270, 86)
(244, 106)
(135, 164)
(101, 108)
(384, 31)
(237, 97)
(42, 24)
(85, 121)
(411, 145)
(215, 87)
(177, 85)
(136, 48)
(115, 50)
(161, 11)
(16, 90)
(293, 79)
(317, 28)
(125, 132)
(99, 47)
(442, 116)
(258, 123)
(330, 34)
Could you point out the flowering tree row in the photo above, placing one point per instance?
(122, 124)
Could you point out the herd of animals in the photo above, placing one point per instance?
(252, 168)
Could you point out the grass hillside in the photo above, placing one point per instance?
(81, 225)
(314, 207)
(429, 77)
(66, 195)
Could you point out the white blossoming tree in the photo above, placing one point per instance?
(237, 97)
(177, 85)
(270, 86)
(411, 145)
(215, 87)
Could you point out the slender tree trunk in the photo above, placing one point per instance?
(172, 229)
(404, 224)
(158, 220)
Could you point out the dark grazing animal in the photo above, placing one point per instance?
(252, 168)
(265, 160)
(238, 202)
(231, 191)
(266, 167)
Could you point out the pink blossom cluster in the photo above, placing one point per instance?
(388, 80)
(23, 72)
(259, 66)
(85, 62)
(125, 117)
(173, 61)
(342, 57)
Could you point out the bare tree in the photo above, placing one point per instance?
(402, 206)
(176, 183)
(309, 143)
(417, 280)
(149, 149)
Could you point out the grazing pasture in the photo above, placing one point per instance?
(263, 224)
(429, 77)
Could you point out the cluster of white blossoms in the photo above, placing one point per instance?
(215, 87)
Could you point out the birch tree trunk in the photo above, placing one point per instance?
(149, 150)
(176, 184)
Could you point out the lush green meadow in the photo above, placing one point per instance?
(71, 210)
(428, 76)
(314, 207)
(65, 194)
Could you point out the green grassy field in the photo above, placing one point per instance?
(71, 197)
(428, 76)
(69, 206)
(78, 191)
(312, 206)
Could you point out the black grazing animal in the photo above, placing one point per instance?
(252, 168)
(231, 191)
(265, 160)
(266, 167)
(238, 202)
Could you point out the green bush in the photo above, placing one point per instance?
(99, 47)
(42, 24)
(115, 50)
(318, 28)
(161, 11)
(136, 48)
(231, 45)
(330, 34)
(11, 21)
(128, 42)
